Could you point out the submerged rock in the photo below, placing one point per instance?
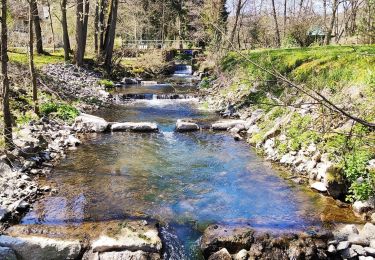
(40, 248)
(132, 236)
(186, 126)
(135, 127)
(90, 123)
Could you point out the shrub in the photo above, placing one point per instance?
(106, 83)
(63, 111)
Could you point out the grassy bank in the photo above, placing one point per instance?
(343, 74)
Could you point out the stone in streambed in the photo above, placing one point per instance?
(319, 186)
(223, 254)
(126, 255)
(233, 239)
(186, 126)
(133, 236)
(135, 127)
(227, 124)
(90, 123)
(40, 248)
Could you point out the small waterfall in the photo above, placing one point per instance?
(183, 70)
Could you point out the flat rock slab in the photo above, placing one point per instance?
(132, 236)
(319, 186)
(234, 239)
(135, 127)
(186, 126)
(227, 124)
(90, 123)
(40, 248)
(126, 255)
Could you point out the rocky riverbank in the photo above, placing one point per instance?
(40, 144)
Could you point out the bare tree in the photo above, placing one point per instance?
(7, 131)
(110, 34)
(64, 24)
(82, 13)
(31, 58)
(51, 25)
(38, 29)
(328, 36)
(277, 31)
(239, 5)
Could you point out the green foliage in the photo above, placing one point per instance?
(299, 133)
(25, 118)
(106, 83)
(40, 60)
(63, 111)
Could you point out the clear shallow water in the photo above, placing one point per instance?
(184, 180)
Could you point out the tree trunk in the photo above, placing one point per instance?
(51, 25)
(96, 26)
(64, 24)
(331, 23)
(238, 11)
(7, 131)
(38, 30)
(31, 59)
(285, 13)
(277, 31)
(111, 34)
(82, 12)
(102, 4)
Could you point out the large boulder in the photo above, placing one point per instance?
(227, 124)
(335, 183)
(135, 127)
(40, 248)
(90, 123)
(133, 236)
(234, 239)
(186, 126)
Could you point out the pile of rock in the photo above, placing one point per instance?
(71, 82)
(39, 145)
(351, 242)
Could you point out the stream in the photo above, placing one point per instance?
(184, 180)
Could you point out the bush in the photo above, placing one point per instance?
(106, 83)
(63, 111)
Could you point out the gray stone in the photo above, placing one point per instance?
(343, 245)
(370, 251)
(345, 231)
(331, 249)
(356, 239)
(227, 124)
(133, 236)
(372, 243)
(186, 126)
(361, 257)
(348, 253)
(135, 127)
(90, 123)
(364, 206)
(368, 231)
(319, 186)
(223, 254)
(7, 254)
(359, 249)
(40, 248)
(129, 255)
(373, 218)
(242, 255)
(233, 239)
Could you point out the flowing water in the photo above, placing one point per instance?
(184, 180)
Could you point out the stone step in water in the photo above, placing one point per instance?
(157, 96)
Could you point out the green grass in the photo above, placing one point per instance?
(20, 56)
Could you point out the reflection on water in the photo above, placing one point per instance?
(185, 179)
